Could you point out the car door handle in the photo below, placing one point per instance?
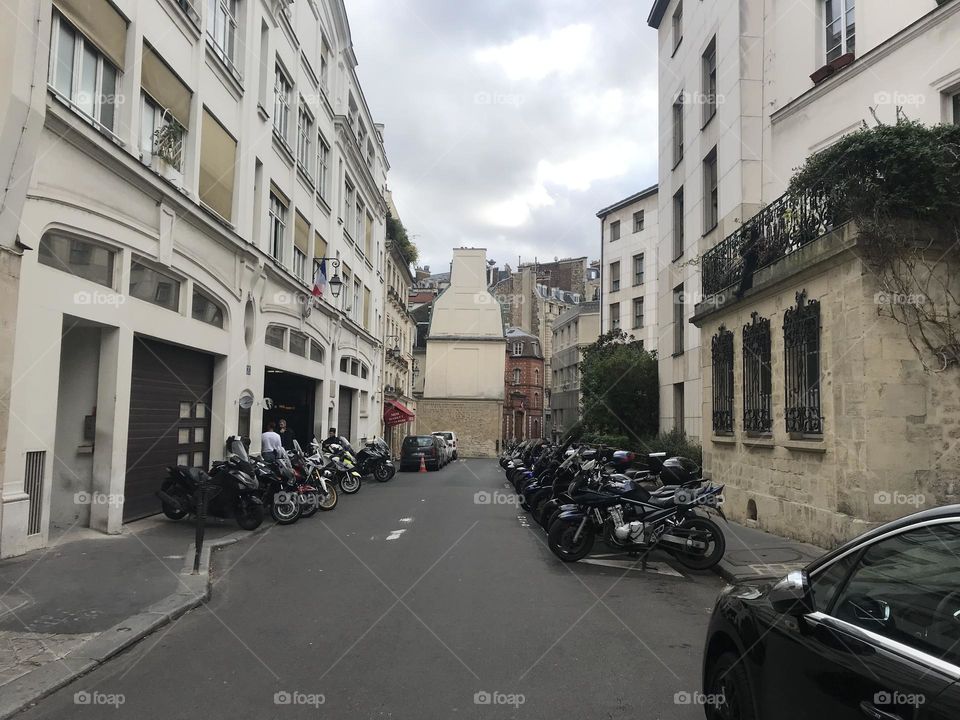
(872, 711)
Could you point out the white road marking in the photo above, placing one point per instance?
(658, 568)
(394, 534)
(406, 520)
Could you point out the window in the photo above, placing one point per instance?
(367, 307)
(154, 123)
(347, 216)
(638, 269)
(678, 418)
(276, 336)
(299, 264)
(678, 224)
(904, 589)
(278, 225)
(368, 233)
(710, 192)
(205, 309)
(325, 55)
(301, 245)
(678, 130)
(323, 167)
(614, 230)
(355, 314)
(358, 220)
(222, 29)
(82, 74)
(218, 151)
(304, 139)
(757, 377)
(638, 313)
(721, 353)
(614, 276)
(709, 63)
(282, 92)
(841, 28)
(801, 347)
(677, 24)
(78, 257)
(298, 343)
(264, 68)
(154, 286)
(678, 317)
(516, 376)
(344, 364)
(518, 348)
(165, 111)
(615, 316)
(638, 221)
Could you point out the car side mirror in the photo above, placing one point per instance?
(792, 595)
(869, 612)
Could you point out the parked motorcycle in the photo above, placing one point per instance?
(233, 491)
(279, 489)
(374, 459)
(315, 483)
(340, 461)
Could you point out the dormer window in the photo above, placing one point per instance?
(518, 348)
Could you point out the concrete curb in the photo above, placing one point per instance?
(194, 590)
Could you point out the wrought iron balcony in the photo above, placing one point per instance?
(782, 227)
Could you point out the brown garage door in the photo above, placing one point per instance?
(169, 419)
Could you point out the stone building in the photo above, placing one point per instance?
(179, 195)
(524, 386)
(576, 328)
(628, 257)
(569, 274)
(818, 414)
(463, 368)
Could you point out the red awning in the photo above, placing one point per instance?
(395, 413)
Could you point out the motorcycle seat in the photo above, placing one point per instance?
(192, 475)
(663, 501)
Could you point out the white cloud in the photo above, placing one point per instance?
(534, 57)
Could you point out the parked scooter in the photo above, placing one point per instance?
(233, 491)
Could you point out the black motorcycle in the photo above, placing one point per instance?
(279, 489)
(232, 489)
(374, 459)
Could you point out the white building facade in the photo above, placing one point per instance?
(195, 163)
(629, 266)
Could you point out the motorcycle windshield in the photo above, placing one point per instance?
(236, 447)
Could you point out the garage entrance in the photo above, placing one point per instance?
(293, 399)
(169, 419)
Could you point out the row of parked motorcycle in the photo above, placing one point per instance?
(580, 493)
(286, 485)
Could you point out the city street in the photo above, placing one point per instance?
(418, 598)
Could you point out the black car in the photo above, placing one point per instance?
(870, 630)
(415, 447)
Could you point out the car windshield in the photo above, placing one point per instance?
(424, 441)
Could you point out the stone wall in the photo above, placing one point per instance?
(476, 423)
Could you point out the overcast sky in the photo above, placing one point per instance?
(509, 123)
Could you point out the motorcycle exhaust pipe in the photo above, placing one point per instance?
(684, 543)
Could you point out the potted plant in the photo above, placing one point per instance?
(168, 148)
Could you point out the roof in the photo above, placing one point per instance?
(652, 190)
(656, 13)
(516, 333)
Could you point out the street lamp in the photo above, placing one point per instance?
(335, 283)
(395, 350)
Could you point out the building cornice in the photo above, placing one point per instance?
(864, 63)
(626, 202)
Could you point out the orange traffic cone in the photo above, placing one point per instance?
(423, 464)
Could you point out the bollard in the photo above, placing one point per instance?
(200, 499)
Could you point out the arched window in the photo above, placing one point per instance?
(536, 376)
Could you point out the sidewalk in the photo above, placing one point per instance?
(754, 554)
(71, 606)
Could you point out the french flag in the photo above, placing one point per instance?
(320, 280)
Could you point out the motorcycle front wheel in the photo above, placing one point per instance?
(382, 473)
(349, 484)
(328, 501)
(562, 542)
(172, 489)
(249, 515)
(310, 504)
(703, 530)
(286, 510)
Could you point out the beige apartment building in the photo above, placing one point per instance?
(629, 264)
(817, 414)
(576, 328)
(464, 360)
(188, 166)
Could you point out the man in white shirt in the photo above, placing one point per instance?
(271, 447)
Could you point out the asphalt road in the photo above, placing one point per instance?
(416, 599)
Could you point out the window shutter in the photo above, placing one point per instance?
(301, 238)
(101, 23)
(218, 152)
(159, 81)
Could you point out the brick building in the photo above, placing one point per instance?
(524, 386)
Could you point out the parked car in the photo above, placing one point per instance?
(428, 447)
(870, 630)
(451, 438)
(447, 446)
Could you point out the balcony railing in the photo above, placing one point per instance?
(782, 227)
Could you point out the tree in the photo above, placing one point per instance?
(397, 234)
(620, 384)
